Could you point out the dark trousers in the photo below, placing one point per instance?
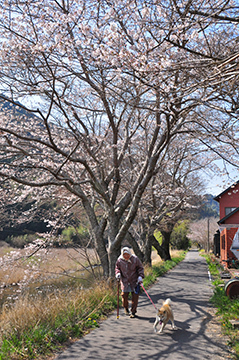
(125, 301)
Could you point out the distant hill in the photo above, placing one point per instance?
(209, 208)
(16, 110)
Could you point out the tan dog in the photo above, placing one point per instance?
(163, 316)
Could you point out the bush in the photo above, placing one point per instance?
(179, 239)
(79, 235)
(21, 240)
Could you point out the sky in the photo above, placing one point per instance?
(215, 184)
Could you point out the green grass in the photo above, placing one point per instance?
(227, 309)
(152, 273)
(36, 328)
(72, 316)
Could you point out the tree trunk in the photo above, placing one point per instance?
(165, 244)
(135, 246)
(99, 244)
(162, 250)
(147, 251)
(113, 255)
(114, 248)
(97, 233)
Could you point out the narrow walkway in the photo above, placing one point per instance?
(189, 288)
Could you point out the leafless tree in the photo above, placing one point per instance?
(202, 232)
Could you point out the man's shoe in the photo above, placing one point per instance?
(132, 315)
(126, 311)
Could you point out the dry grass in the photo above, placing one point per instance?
(156, 259)
(50, 264)
(5, 250)
(29, 312)
(58, 260)
(34, 327)
(46, 263)
(32, 310)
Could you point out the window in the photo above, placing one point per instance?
(228, 210)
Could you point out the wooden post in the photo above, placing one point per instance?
(208, 246)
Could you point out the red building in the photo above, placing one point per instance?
(228, 223)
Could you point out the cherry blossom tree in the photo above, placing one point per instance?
(202, 232)
(101, 89)
(172, 195)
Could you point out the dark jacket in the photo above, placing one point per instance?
(129, 270)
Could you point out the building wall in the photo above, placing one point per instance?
(233, 219)
(229, 199)
(226, 238)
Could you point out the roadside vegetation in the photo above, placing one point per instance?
(159, 268)
(35, 326)
(227, 309)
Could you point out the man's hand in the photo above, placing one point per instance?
(118, 276)
(140, 280)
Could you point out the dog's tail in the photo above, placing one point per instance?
(168, 302)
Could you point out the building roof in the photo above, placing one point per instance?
(225, 191)
(221, 221)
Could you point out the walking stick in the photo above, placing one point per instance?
(118, 299)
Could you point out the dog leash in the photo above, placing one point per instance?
(148, 296)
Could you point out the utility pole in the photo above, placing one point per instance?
(208, 235)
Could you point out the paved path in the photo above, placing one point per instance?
(189, 288)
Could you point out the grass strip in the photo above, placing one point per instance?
(227, 309)
(154, 272)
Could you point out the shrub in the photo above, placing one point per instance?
(79, 235)
(179, 239)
